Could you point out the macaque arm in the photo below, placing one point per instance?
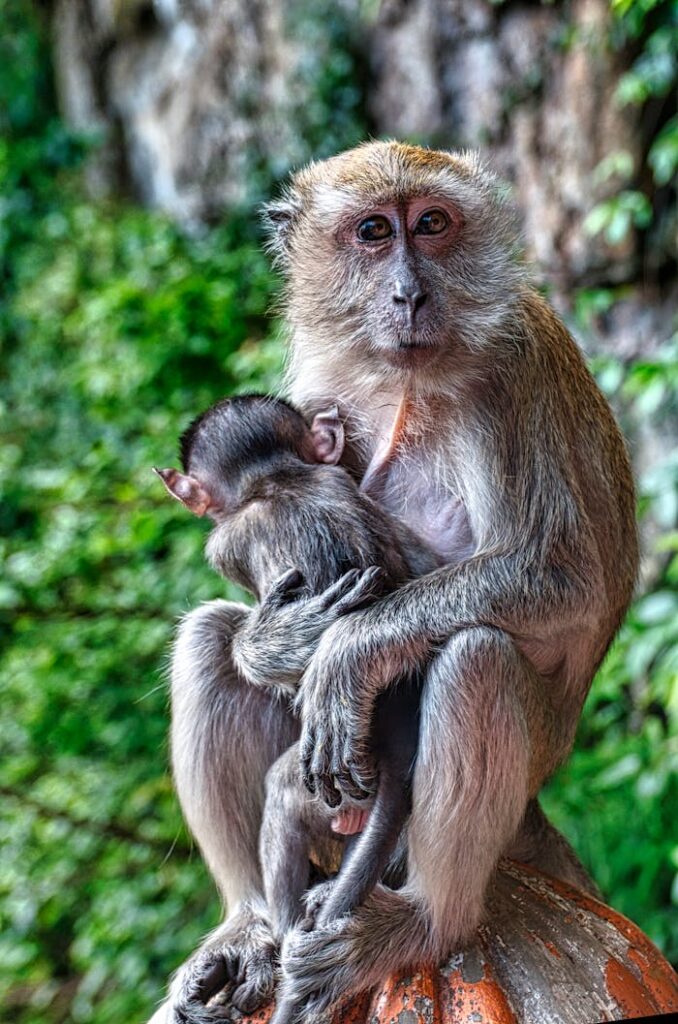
(362, 655)
(509, 592)
(277, 641)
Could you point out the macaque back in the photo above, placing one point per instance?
(281, 504)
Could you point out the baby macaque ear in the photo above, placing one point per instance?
(327, 432)
(185, 489)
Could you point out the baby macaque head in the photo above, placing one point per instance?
(242, 439)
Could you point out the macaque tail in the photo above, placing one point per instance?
(362, 867)
(369, 853)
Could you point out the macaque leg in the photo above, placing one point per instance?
(220, 761)
(293, 823)
(481, 729)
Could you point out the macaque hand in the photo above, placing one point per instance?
(281, 634)
(336, 701)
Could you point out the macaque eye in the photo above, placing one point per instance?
(374, 229)
(431, 223)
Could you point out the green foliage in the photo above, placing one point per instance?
(115, 331)
(663, 155)
(617, 215)
(654, 72)
(118, 331)
(651, 25)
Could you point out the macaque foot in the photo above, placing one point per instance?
(354, 953)
(314, 900)
(228, 978)
(316, 971)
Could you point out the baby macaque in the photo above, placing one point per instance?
(283, 507)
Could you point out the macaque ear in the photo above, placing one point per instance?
(280, 216)
(185, 489)
(327, 432)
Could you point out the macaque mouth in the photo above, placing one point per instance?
(410, 353)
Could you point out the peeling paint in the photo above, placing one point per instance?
(407, 1017)
(627, 992)
(658, 978)
(472, 968)
(426, 1008)
(472, 994)
(545, 954)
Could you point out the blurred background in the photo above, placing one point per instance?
(137, 138)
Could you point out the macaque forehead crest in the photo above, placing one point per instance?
(324, 197)
(377, 175)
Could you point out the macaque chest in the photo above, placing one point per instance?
(437, 517)
(408, 489)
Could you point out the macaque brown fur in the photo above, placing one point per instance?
(469, 414)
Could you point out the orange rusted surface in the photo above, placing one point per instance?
(408, 998)
(472, 995)
(547, 954)
(654, 976)
(353, 1012)
(628, 993)
(553, 949)
(658, 976)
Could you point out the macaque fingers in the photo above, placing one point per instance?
(346, 784)
(338, 590)
(365, 588)
(328, 777)
(283, 590)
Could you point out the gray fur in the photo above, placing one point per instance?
(505, 421)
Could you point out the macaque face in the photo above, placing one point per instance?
(400, 250)
(397, 258)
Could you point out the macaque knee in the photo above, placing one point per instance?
(479, 649)
(201, 651)
(471, 781)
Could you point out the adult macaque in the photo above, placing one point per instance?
(278, 499)
(469, 413)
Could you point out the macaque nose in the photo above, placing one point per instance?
(409, 295)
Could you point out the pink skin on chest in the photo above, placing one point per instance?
(409, 490)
